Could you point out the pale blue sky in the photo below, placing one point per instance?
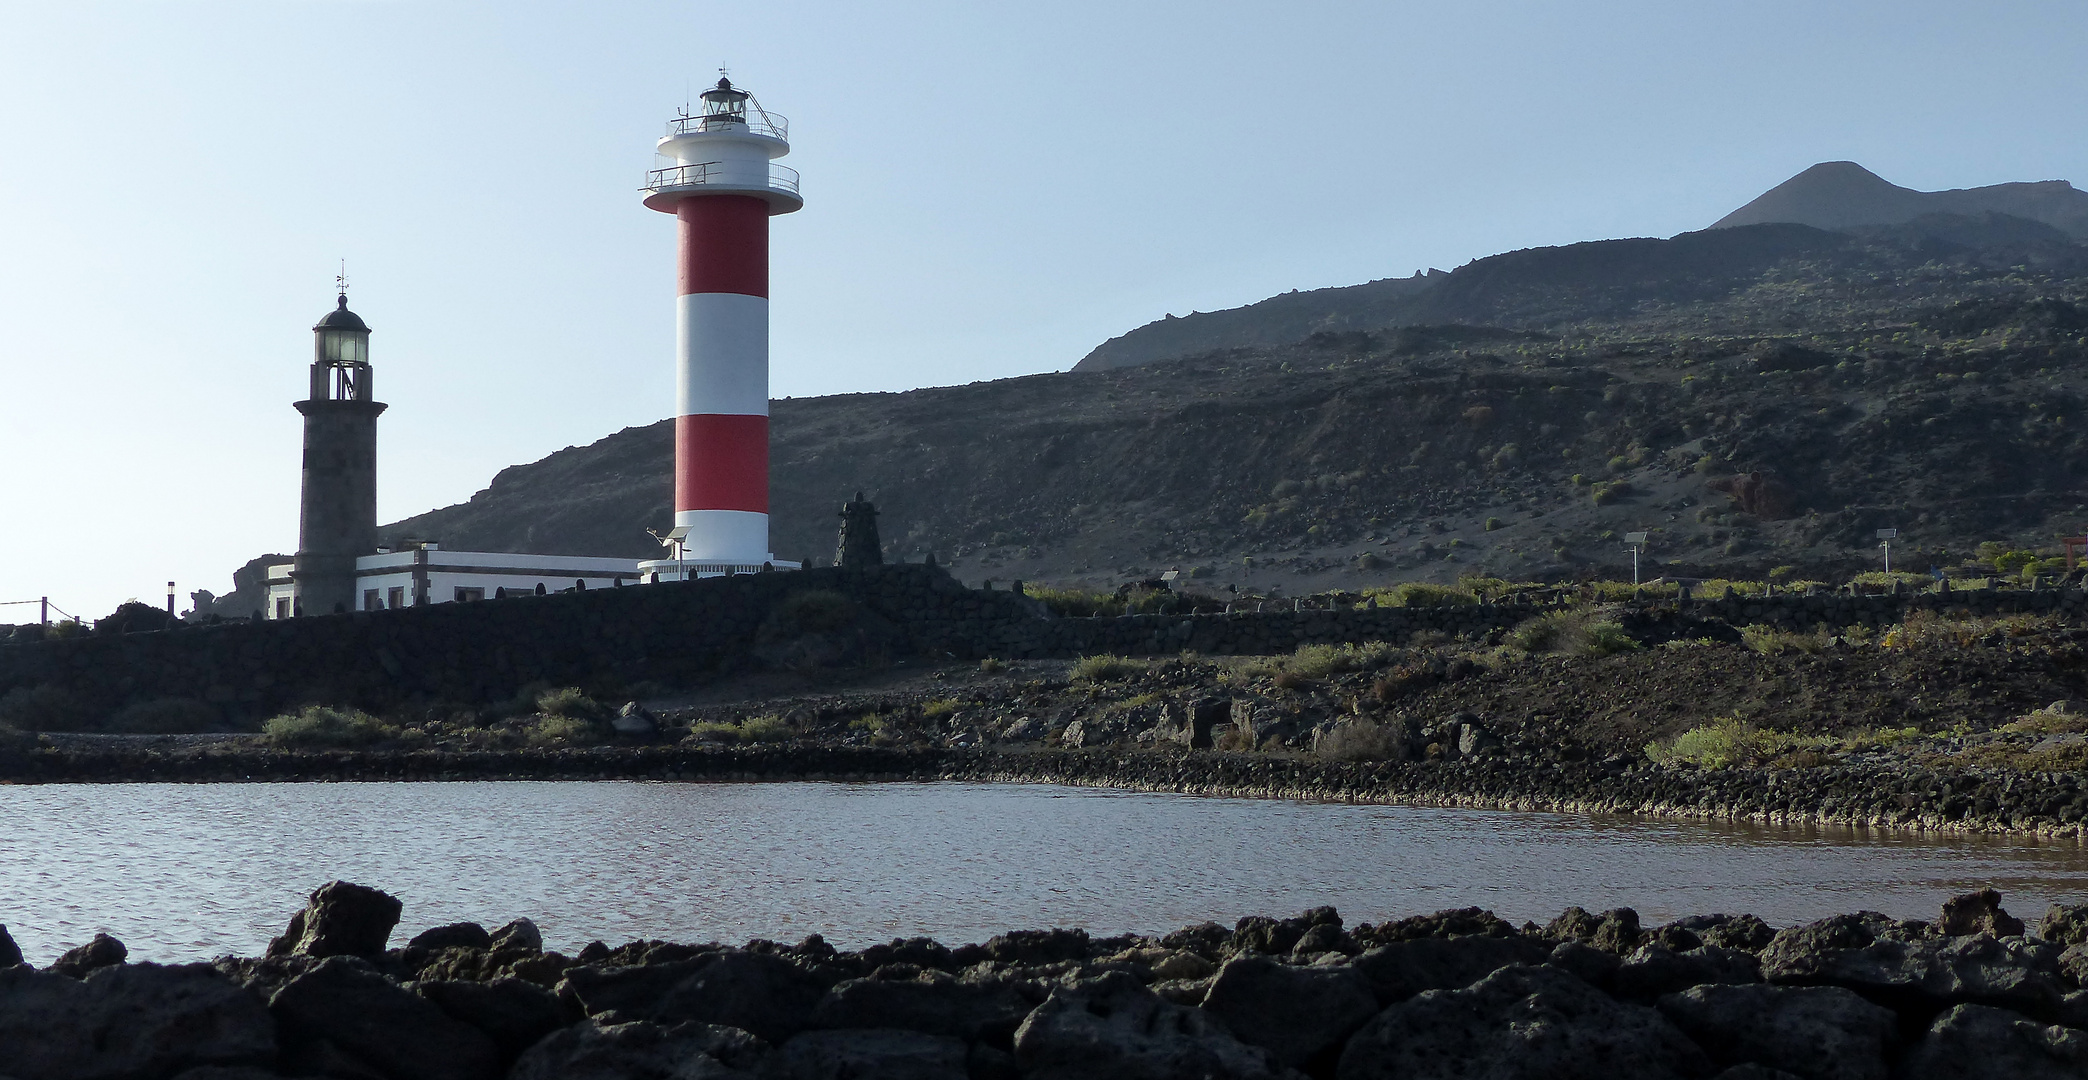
(991, 190)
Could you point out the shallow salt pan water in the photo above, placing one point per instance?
(182, 872)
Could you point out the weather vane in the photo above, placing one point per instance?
(341, 279)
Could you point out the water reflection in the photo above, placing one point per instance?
(191, 871)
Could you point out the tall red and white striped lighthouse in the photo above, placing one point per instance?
(722, 187)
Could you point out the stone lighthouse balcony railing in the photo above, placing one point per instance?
(780, 177)
(757, 121)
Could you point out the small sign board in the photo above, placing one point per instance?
(1170, 575)
(1635, 538)
(1887, 534)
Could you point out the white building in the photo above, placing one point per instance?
(427, 574)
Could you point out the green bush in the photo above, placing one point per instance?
(757, 729)
(1423, 594)
(1729, 741)
(1320, 661)
(1073, 603)
(1105, 668)
(563, 729)
(317, 726)
(570, 703)
(1770, 641)
(1575, 632)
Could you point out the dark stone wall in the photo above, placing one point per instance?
(606, 639)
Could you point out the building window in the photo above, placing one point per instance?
(282, 607)
(395, 596)
(465, 595)
(370, 601)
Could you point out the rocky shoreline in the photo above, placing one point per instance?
(1459, 993)
(1887, 794)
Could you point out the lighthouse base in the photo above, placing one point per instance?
(656, 570)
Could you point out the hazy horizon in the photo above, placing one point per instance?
(989, 193)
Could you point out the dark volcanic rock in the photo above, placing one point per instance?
(519, 934)
(763, 994)
(934, 1004)
(1585, 962)
(10, 953)
(1404, 968)
(340, 919)
(1871, 955)
(1744, 932)
(1656, 969)
(641, 1051)
(1033, 947)
(2064, 924)
(1114, 1027)
(627, 990)
(1973, 1042)
(1978, 913)
(1534, 1022)
(1816, 1032)
(129, 1020)
(870, 1054)
(346, 1004)
(463, 935)
(1296, 1013)
(511, 1012)
(103, 951)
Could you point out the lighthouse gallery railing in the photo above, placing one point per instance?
(780, 177)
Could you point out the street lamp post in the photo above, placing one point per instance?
(1885, 538)
(1637, 542)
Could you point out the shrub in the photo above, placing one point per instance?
(991, 666)
(1361, 740)
(325, 725)
(1729, 741)
(1610, 492)
(1931, 630)
(1320, 661)
(559, 729)
(167, 716)
(1770, 641)
(936, 710)
(764, 729)
(569, 702)
(42, 708)
(1423, 594)
(1075, 603)
(755, 729)
(1493, 523)
(1106, 668)
(1880, 580)
(1581, 632)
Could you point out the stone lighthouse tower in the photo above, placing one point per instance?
(337, 515)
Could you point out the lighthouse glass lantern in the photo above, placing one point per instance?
(724, 104)
(341, 361)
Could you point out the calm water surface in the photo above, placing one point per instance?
(191, 871)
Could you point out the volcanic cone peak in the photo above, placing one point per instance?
(1843, 194)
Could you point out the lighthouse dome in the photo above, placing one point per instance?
(340, 318)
